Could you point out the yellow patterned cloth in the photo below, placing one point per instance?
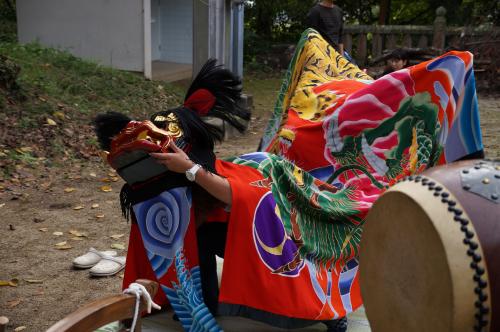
(316, 62)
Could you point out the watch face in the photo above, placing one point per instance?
(190, 176)
(191, 173)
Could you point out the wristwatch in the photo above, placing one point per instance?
(191, 173)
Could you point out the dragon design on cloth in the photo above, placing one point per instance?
(319, 217)
(336, 123)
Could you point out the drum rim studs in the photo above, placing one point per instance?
(476, 259)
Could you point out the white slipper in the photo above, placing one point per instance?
(108, 266)
(91, 258)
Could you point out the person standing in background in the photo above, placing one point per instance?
(327, 18)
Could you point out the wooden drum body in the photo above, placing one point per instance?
(430, 252)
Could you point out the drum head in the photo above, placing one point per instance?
(414, 269)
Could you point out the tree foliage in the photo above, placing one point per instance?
(459, 12)
(284, 20)
(7, 9)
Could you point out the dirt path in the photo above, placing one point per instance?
(48, 288)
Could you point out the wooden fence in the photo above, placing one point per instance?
(367, 42)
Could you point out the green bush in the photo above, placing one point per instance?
(7, 21)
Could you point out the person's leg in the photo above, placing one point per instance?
(337, 325)
(211, 242)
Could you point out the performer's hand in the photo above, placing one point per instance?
(176, 161)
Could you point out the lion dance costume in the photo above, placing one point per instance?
(337, 140)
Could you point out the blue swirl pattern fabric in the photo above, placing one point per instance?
(163, 222)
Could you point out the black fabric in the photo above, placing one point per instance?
(336, 325)
(227, 309)
(107, 126)
(226, 88)
(211, 242)
(475, 155)
(328, 22)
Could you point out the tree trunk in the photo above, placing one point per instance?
(385, 12)
(265, 19)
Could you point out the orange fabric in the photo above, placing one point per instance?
(245, 280)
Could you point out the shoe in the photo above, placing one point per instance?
(91, 258)
(108, 266)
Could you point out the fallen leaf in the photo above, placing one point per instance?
(117, 236)
(105, 180)
(112, 173)
(78, 207)
(43, 229)
(2, 205)
(65, 247)
(51, 122)
(69, 189)
(20, 328)
(95, 206)
(34, 281)
(115, 179)
(106, 189)
(118, 246)
(61, 244)
(78, 233)
(46, 185)
(99, 216)
(104, 155)
(92, 174)
(14, 303)
(26, 149)
(11, 282)
(58, 233)
(59, 115)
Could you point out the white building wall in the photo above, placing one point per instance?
(176, 25)
(110, 32)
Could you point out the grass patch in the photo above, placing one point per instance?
(55, 98)
(265, 92)
(53, 80)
